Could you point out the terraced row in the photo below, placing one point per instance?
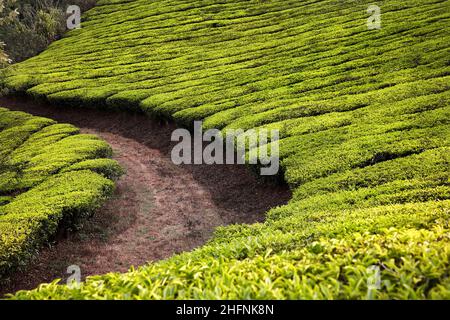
(51, 178)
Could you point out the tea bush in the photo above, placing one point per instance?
(364, 123)
(51, 177)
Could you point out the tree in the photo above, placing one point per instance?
(27, 27)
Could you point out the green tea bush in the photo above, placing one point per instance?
(364, 124)
(52, 178)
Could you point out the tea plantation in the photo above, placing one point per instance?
(51, 177)
(364, 122)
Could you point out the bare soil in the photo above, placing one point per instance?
(158, 209)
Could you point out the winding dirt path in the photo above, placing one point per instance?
(159, 209)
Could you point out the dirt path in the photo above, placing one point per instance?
(159, 209)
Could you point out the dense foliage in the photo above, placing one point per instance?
(4, 60)
(51, 177)
(364, 121)
(28, 26)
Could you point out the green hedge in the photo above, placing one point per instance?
(413, 264)
(364, 123)
(51, 177)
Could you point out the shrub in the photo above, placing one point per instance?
(49, 181)
(27, 27)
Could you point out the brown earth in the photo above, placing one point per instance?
(158, 209)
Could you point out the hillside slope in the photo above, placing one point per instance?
(364, 122)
